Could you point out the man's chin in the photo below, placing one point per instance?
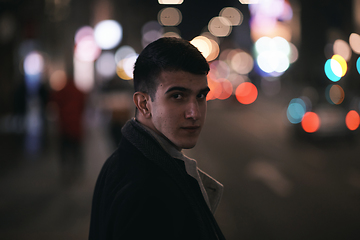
(188, 145)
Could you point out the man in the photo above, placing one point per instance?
(148, 189)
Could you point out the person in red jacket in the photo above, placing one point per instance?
(70, 105)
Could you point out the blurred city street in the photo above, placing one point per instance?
(276, 187)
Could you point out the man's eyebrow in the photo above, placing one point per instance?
(207, 89)
(181, 89)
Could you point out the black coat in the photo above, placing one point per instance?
(144, 193)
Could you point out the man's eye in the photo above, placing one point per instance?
(177, 96)
(201, 95)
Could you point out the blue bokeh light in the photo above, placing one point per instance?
(329, 72)
(296, 110)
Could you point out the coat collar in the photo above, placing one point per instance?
(210, 188)
(161, 152)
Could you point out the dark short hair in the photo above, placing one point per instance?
(166, 54)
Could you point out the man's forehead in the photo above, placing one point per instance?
(182, 79)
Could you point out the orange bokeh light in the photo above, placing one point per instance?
(352, 120)
(227, 89)
(219, 89)
(246, 93)
(310, 122)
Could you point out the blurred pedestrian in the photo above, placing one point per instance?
(70, 104)
(148, 189)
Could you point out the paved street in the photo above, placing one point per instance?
(276, 187)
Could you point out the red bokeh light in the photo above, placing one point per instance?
(352, 120)
(246, 93)
(310, 122)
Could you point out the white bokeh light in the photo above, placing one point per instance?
(336, 67)
(105, 65)
(33, 63)
(108, 34)
(203, 44)
(123, 52)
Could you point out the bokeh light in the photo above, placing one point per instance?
(294, 53)
(203, 44)
(273, 54)
(123, 58)
(236, 79)
(358, 65)
(84, 78)
(246, 93)
(281, 44)
(296, 110)
(343, 49)
(271, 18)
(87, 49)
(58, 80)
(128, 65)
(342, 63)
(215, 89)
(219, 69)
(171, 32)
(352, 120)
(330, 66)
(105, 65)
(249, 1)
(82, 32)
(220, 26)
(33, 63)
(226, 88)
(310, 122)
(215, 50)
(108, 34)
(170, 1)
(242, 62)
(262, 44)
(123, 52)
(271, 61)
(287, 13)
(151, 31)
(125, 67)
(269, 8)
(233, 15)
(169, 16)
(354, 41)
(334, 94)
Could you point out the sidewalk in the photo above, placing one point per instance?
(36, 204)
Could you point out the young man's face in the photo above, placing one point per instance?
(179, 108)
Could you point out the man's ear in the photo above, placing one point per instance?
(141, 101)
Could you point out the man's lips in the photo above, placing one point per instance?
(191, 128)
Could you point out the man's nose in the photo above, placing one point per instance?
(193, 111)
